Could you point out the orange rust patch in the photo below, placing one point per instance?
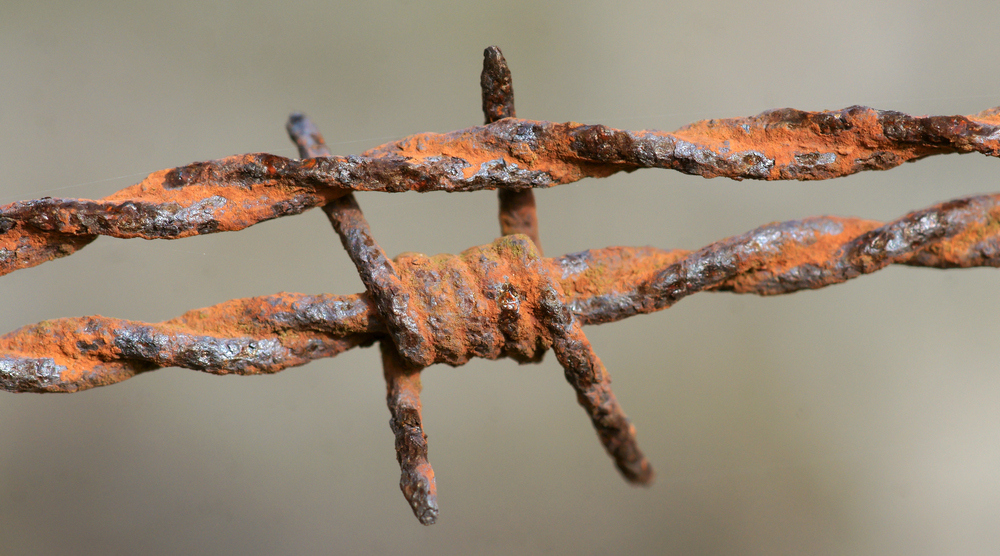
(956, 250)
(618, 269)
(817, 251)
(477, 147)
(782, 143)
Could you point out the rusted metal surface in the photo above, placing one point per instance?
(415, 329)
(402, 377)
(407, 353)
(806, 254)
(403, 398)
(497, 86)
(498, 300)
(258, 335)
(517, 206)
(233, 193)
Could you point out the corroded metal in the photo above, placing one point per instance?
(517, 206)
(393, 297)
(414, 335)
(497, 85)
(406, 354)
(233, 193)
(259, 335)
(500, 300)
(403, 398)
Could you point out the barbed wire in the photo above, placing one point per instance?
(498, 300)
(508, 154)
(267, 334)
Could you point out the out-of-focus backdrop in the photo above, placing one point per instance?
(858, 419)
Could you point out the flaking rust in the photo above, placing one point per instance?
(498, 300)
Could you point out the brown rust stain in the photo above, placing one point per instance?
(459, 298)
(22, 248)
(252, 185)
(837, 143)
(88, 348)
(963, 250)
(465, 301)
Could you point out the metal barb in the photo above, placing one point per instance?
(403, 397)
(409, 351)
(517, 206)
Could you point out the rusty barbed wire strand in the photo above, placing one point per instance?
(259, 335)
(517, 206)
(270, 333)
(811, 253)
(497, 301)
(233, 193)
(600, 286)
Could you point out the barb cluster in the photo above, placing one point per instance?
(498, 300)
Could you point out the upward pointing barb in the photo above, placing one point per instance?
(498, 89)
(517, 206)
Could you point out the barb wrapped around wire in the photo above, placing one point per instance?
(498, 300)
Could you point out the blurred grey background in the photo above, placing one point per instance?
(858, 419)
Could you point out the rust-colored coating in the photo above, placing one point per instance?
(411, 348)
(258, 335)
(586, 373)
(518, 214)
(236, 192)
(306, 137)
(377, 272)
(387, 289)
(500, 300)
(497, 86)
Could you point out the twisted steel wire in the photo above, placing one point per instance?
(268, 334)
(509, 154)
(498, 300)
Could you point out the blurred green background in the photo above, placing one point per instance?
(858, 419)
